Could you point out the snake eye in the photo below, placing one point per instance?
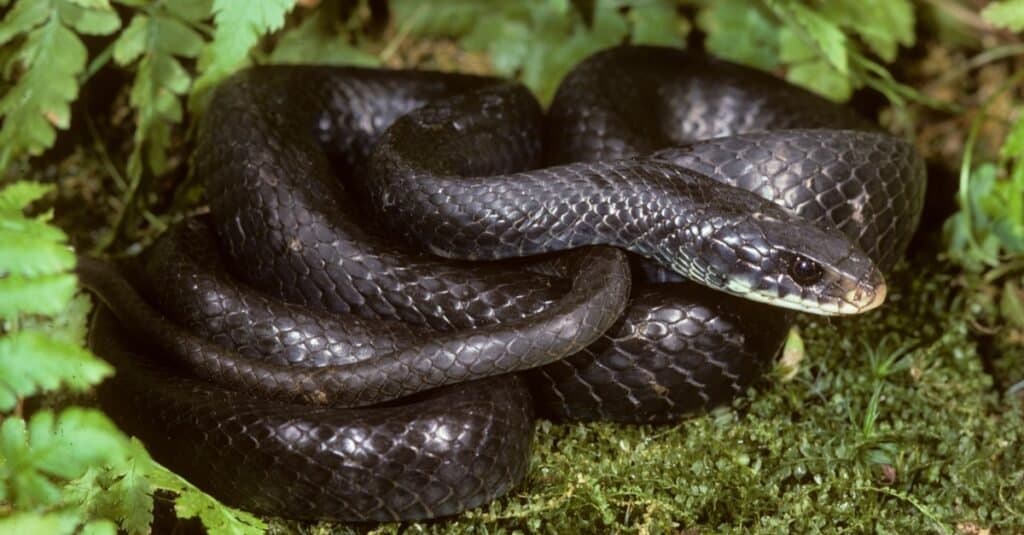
(805, 271)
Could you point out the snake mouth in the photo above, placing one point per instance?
(865, 296)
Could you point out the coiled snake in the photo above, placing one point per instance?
(372, 239)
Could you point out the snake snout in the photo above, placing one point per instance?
(865, 295)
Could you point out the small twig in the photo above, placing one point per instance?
(101, 148)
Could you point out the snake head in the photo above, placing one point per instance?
(779, 259)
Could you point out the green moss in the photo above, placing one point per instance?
(890, 425)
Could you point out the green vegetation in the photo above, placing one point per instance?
(906, 420)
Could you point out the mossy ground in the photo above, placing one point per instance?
(889, 424)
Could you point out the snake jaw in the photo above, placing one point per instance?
(865, 296)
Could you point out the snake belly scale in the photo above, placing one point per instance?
(399, 266)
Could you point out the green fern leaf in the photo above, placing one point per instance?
(49, 449)
(538, 42)
(89, 17)
(817, 32)
(31, 362)
(657, 23)
(133, 496)
(31, 248)
(59, 523)
(453, 18)
(39, 102)
(239, 27)
(50, 59)
(70, 326)
(99, 527)
(45, 294)
(155, 41)
(87, 491)
(1005, 13)
(122, 492)
(885, 25)
(1013, 145)
(15, 197)
(557, 47)
(22, 18)
(737, 31)
(92, 4)
(192, 503)
(316, 38)
(132, 41)
(809, 69)
(190, 10)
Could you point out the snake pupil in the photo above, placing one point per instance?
(805, 271)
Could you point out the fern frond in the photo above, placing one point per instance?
(154, 41)
(239, 26)
(32, 362)
(193, 503)
(49, 57)
(51, 448)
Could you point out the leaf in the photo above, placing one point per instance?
(316, 37)
(738, 32)
(657, 23)
(1013, 145)
(176, 38)
(560, 39)
(39, 101)
(22, 18)
(100, 527)
(53, 448)
(47, 294)
(217, 518)
(121, 492)
(190, 10)
(160, 80)
(57, 523)
(132, 41)
(155, 93)
(239, 25)
(817, 31)
(91, 4)
(49, 60)
(30, 248)
(538, 42)
(192, 502)
(1006, 14)
(809, 70)
(71, 325)
(15, 197)
(883, 24)
(133, 496)
(32, 362)
(452, 18)
(793, 354)
(91, 18)
(507, 41)
(1010, 305)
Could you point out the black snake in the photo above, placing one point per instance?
(315, 286)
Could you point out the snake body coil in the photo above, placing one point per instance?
(293, 306)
